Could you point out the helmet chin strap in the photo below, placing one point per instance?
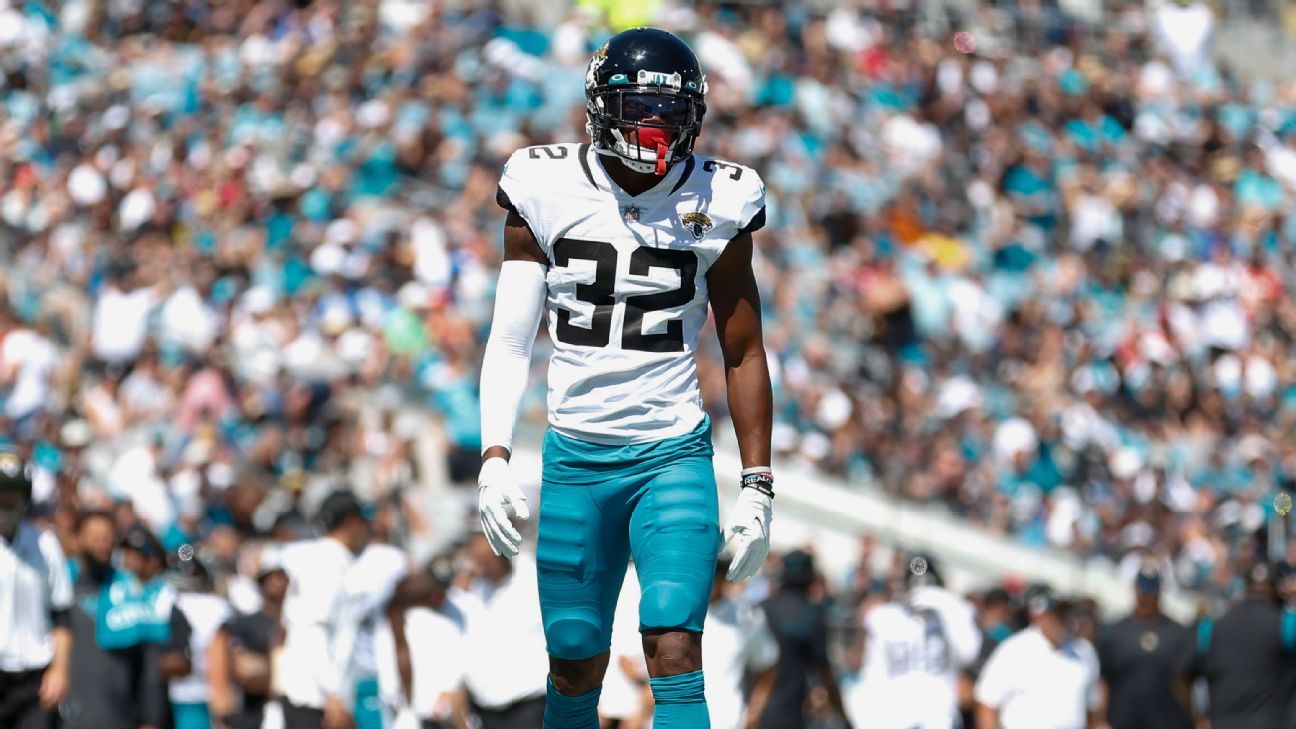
(651, 156)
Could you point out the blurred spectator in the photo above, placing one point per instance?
(240, 654)
(369, 584)
(119, 685)
(800, 626)
(915, 650)
(161, 624)
(1248, 658)
(35, 596)
(321, 620)
(1143, 659)
(1043, 676)
(737, 644)
(417, 647)
(205, 612)
(505, 668)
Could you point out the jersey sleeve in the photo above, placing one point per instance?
(751, 217)
(60, 577)
(520, 191)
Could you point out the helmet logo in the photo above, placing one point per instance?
(600, 57)
(657, 78)
(697, 223)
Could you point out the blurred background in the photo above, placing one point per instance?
(1028, 308)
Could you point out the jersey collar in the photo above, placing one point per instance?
(598, 177)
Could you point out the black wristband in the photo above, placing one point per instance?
(762, 482)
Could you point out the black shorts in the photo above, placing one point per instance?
(20, 701)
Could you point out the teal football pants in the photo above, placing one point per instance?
(601, 505)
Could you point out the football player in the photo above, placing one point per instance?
(624, 241)
(915, 649)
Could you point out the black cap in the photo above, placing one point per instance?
(1041, 599)
(140, 539)
(14, 474)
(798, 569)
(442, 570)
(1261, 573)
(337, 508)
(1148, 581)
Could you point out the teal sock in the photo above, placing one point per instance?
(681, 703)
(571, 712)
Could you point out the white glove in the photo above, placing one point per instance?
(497, 490)
(748, 533)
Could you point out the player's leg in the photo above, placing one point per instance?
(675, 537)
(581, 556)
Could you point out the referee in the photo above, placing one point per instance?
(35, 595)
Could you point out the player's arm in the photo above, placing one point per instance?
(735, 302)
(519, 302)
(760, 693)
(987, 717)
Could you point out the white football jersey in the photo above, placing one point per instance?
(913, 654)
(627, 283)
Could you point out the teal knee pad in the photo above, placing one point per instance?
(674, 605)
(576, 638)
(681, 702)
(571, 712)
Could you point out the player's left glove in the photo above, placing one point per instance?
(749, 523)
(497, 490)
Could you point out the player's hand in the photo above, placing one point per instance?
(498, 491)
(748, 533)
(336, 715)
(53, 687)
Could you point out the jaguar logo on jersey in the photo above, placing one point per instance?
(699, 224)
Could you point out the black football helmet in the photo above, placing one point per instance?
(649, 82)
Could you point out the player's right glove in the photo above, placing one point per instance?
(497, 490)
(749, 524)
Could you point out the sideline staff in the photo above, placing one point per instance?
(1248, 658)
(35, 595)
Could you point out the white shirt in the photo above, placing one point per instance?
(34, 580)
(627, 287)
(319, 622)
(187, 320)
(735, 639)
(34, 358)
(134, 475)
(120, 324)
(1037, 686)
(507, 659)
(206, 613)
(913, 654)
(369, 584)
(436, 643)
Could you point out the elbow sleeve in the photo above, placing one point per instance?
(519, 302)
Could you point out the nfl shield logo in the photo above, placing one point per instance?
(630, 213)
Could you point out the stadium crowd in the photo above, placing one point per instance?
(247, 245)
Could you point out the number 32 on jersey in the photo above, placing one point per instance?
(601, 295)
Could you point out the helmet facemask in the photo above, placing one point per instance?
(648, 128)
